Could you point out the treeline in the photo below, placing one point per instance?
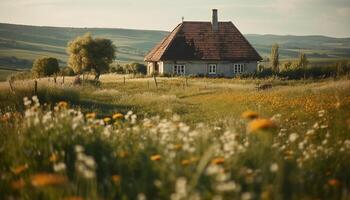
(299, 68)
(86, 55)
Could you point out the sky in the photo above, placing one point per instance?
(283, 17)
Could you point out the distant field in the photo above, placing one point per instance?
(4, 73)
(20, 45)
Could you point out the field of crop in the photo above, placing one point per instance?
(195, 138)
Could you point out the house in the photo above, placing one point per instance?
(203, 48)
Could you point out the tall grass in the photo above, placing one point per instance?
(61, 153)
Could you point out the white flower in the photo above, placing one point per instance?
(79, 148)
(293, 137)
(247, 196)
(59, 167)
(226, 187)
(274, 167)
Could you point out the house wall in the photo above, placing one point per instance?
(224, 68)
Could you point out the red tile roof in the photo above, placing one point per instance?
(197, 41)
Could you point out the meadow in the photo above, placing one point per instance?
(184, 138)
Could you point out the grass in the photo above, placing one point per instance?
(181, 141)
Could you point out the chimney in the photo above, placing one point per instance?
(214, 22)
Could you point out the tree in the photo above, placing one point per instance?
(302, 62)
(139, 68)
(274, 59)
(45, 66)
(287, 66)
(87, 53)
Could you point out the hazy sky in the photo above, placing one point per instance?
(297, 17)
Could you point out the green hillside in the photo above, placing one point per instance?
(20, 44)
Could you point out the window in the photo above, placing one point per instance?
(212, 68)
(179, 69)
(238, 68)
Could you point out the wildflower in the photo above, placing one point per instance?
(218, 160)
(155, 157)
(226, 187)
(90, 115)
(45, 179)
(59, 167)
(274, 167)
(260, 124)
(333, 182)
(62, 104)
(141, 196)
(18, 184)
(117, 116)
(53, 157)
(250, 115)
(19, 169)
(185, 162)
(116, 179)
(123, 154)
(293, 137)
(106, 120)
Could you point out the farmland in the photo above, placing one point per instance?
(182, 138)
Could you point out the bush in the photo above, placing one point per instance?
(45, 66)
(67, 71)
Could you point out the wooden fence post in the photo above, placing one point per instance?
(155, 81)
(63, 79)
(147, 84)
(35, 87)
(11, 86)
(124, 79)
(186, 82)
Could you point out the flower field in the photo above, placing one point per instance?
(291, 142)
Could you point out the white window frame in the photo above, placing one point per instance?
(238, 68)
(179, 69)
(212, 68)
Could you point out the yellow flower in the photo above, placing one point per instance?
(185, 162)
(107, 120)
(45, 179)
(18, 184)
(155, 157)
(250, 115)
(123, 154)
(260, 124)
(90, 115)
(116, 179)
(118, 116)
(218, 160)
(53, 157)
(62, 104)
(19, 169)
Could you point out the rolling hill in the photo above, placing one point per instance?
(21, 44)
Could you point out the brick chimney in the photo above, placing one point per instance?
(214, 22)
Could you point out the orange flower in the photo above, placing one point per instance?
(53, 157)
(90, 115)
(62, 104)
(18, 184)
(218, 160)
(19, 169)
(260, 124)
(250, 115)
(333, 182)
(118, 116)
(116, 179)
(156, 157)
(45, 179)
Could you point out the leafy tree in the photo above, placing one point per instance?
(45, 66)
(274, 59)
(87, 53)
(139, 68)
(67, 71)
(302, 62)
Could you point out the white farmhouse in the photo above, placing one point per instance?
(205, 49)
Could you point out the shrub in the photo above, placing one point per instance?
(67, 71)
(45, 66)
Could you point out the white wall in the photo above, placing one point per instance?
(224, 68)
